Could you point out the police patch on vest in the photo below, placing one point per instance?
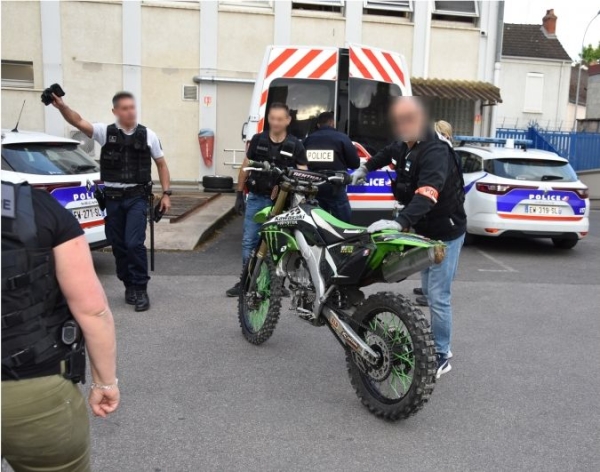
(112, 139)
(8, 201)
(318, 155)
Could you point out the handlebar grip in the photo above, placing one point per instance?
(259, 165)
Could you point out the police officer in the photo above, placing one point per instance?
(51, 302)
(278, 148)
(128, 149)
(429, 184)
(327, 149)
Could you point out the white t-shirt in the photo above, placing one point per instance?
(99, 135)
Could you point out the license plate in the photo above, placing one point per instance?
(543, 210)
(85, 214)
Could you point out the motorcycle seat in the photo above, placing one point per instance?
(333, 230)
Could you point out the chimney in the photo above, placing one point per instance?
(549, 22)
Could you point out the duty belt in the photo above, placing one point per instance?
(115, 193)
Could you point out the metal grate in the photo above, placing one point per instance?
(190, 93)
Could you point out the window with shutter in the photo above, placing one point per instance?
(388, 7)
(534, 93)
(17, 74)
(318, 5)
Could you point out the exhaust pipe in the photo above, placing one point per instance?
(398, 265)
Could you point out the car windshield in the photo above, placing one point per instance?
(531, 169)
(47, 159)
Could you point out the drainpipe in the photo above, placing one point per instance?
(497, 65)
(213, 79)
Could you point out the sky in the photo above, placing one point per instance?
(573, 17)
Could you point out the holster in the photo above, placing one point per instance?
(75, 363)
(100, 197)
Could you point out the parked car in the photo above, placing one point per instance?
(522, 192)
(60, 167)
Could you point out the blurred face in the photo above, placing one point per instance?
(408, 119)
(279, 120)
(125, 112)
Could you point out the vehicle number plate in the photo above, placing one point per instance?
(87, 214)
(543, 210)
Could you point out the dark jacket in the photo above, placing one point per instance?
(328, 138)
(434, 187)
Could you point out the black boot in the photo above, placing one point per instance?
(142, 302)
(233, 291)
(130, 295)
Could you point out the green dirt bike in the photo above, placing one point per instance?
(389, 348)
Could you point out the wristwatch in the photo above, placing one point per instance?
(168, 192)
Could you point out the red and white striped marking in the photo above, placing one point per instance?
(297, 63)
(374, 64)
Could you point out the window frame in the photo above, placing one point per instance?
(297, 4)
(17, 83)
(457, 13)
(382, 5)
(258, 4)
(464, 155)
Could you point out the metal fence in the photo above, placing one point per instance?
(582, 149)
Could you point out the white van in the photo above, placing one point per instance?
(356, 83)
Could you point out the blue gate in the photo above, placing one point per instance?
(581, 149)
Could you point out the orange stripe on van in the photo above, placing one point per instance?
(368, 197)
(261, 125)
(302, 63)
(384, 75)
(394, 66)
(328, 64)
(512, 216)
(263, 97)
(359, 65)
(275, 63)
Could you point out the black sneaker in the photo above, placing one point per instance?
(233, 291)
(285, 293)
(443, 365)
(130, 295)
(422, 301)
(418, 291)
(142, 302)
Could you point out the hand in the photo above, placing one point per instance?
(165, 204)
(58, 102)
(104, 402)
(359, 175)
(240, 203)
(384, 224)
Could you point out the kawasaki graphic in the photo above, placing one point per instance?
(388, 342)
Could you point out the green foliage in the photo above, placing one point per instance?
(590, 54)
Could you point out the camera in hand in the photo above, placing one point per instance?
(53, 89)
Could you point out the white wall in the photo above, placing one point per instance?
(555, 94)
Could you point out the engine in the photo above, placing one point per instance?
(301, 286)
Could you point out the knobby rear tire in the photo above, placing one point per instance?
(425, 359)
(259, 336)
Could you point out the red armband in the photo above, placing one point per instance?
(428, 192)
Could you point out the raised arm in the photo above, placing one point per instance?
(72, 117)
(87, 301)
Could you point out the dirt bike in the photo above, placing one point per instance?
(390, 354)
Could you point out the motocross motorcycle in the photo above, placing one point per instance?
(390, 354)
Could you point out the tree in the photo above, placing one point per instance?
(590, 54)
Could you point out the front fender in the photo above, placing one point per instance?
(262, 215)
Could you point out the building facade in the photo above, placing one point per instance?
(536, 70)
(192, 64)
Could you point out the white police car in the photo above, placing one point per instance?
(58, 166)
(515, 191)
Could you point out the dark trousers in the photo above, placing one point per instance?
(335, 201)
(126, 220)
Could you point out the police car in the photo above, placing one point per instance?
(60, 167)
(515, 191)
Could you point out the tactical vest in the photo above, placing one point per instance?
(31, 322)
(126, 158)
(451, 197)
(263, 183)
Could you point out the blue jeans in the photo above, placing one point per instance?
(126, 232)
(254, 204)
(437, 287)
(337, 206)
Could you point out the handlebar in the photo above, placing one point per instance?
(293, 175)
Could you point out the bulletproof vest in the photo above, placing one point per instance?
(31, 321)
(451, 197)
(126, 158)
(263, 183)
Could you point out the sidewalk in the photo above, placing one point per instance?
(184, 232)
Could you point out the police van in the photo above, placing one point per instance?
(356, 83)
(59, 166)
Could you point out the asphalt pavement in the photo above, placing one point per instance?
(523, 393)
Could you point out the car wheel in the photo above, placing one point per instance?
(470, 239)
(565, 243)
(217, 183)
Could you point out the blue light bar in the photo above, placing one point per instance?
(482, 140)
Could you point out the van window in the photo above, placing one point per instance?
(306, 98)
(369, 103)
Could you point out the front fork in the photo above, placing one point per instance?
(261, 252)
